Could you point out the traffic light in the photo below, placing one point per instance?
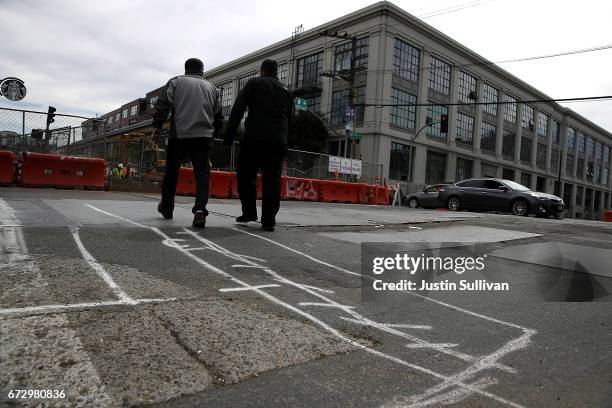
(50, 115)
(443, 123)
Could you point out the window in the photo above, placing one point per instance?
(590, 146)
(526, 148)
(554, 161)
(556, 132)
(403, 116)
(605, 175)
(464, 169)
(134, 110)
(571, 135)
(542, 125)
(471, 183)
(439, 76)
(509, 143)
(227, 91)
(399, 161)
(467, 86)
(465, 129)
(492, 184)
(110, 120)
(507, 174)
(606, 154)
(599, 154)
(579, 194)
(598, 174)
(124, 114)
(343, 53)
(243, 80)
(488, 134)
(490, 98)
(527, 117)
(152, 101)
(117, 117)
(283, 74)
(581, 142)
(406, 59)
(569, 165)
(435, 171)
(526, 179)
(308, 69)
(340, 103)
(541, 156)
(488, 170)
(580, 168)
(590, 172)
(435, 112)
(510, 109)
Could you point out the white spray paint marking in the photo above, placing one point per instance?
(248, 266)
(50, 309)
(319, 289)
(398, 325)
(249, 288)
(300, 312)
(12, 243)
(421, 345)
(455, 396)
(343, 307)
(99, 269)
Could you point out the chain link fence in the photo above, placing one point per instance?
(135, 158)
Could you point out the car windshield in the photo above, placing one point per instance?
(515, 186)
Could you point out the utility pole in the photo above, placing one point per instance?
(350, 79)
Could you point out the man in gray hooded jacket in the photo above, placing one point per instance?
(194, 105)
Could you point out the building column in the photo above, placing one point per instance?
(478, 122)
(500, 130)
(420, 163)
(451, 166)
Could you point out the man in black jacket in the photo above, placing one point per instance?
(195, 108)
(270, 106)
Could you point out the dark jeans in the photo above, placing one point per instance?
(267, 157)
(198, 152)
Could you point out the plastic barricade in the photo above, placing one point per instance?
(608, 216)
(7, 167)
(382, 195)
(186, 182)
(219, 183)
(301, 189)
(50, 170)
(339, 192)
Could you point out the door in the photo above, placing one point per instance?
(469, 193)
(493, 198)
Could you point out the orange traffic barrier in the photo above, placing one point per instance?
(608, 216)
(300, 189)
(219, 183)
(7, 167)
(339, 192)
(50, 170)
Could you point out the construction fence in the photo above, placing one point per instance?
(135, 158)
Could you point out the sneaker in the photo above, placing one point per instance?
(245, 218)
(167, 214)
(267, 227)
(199, 219)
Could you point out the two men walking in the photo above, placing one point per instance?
(195, 108)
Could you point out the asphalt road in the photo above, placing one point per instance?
(104, 300)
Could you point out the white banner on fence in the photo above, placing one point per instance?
(334, 164)
(344, 166)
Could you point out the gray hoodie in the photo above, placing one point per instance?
(194, 105)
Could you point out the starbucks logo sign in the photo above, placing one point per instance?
(13, 89)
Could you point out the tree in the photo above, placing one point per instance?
(307, 132)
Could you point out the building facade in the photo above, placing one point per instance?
(406, 73)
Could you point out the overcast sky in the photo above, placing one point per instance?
(90, 57)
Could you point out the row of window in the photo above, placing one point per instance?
(133, 111)
(435, 171)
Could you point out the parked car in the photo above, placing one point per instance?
(500, 195)
(427, 198)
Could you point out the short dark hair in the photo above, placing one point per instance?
(269, 67)
(194, 65)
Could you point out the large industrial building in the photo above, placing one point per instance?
(408, 74)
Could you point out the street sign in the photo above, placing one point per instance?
(300, 104)
(356, 167)
(346, 166)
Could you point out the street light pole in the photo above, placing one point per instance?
(410, 165)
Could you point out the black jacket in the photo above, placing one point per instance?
(270, 106)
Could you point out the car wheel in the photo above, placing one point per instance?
(520, 207)
(413, 203)
(454, 204)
